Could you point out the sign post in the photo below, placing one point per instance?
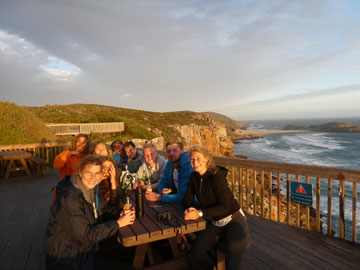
(301, 193)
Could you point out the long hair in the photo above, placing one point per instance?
(106, 182)
(74, 141)
(210, 166)
(92, 149)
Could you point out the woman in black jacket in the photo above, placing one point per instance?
(226, 223)
(74, 227)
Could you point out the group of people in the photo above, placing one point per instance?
(85, 208)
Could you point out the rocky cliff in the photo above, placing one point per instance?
(212, 135)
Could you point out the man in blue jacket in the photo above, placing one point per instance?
(175, 179)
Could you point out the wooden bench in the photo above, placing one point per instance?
(37, 165)
(220, 256)
(14, 161)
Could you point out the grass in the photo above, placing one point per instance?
(19, 125)
(27, 124)
(138, 124)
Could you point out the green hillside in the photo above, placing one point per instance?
(138, 124)
(27, 124)
(19, 125)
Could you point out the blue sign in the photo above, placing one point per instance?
(301, 193)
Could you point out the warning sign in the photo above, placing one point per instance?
(301, 193)
(301, 189)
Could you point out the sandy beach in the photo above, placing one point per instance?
(260, 132)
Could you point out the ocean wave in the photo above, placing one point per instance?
(311, 140)
(301, 155)
(309, 151)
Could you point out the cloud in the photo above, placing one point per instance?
(305, 94)
(175, 55)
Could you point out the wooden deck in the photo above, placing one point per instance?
(24, 208)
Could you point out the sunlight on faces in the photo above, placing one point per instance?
(91, 175)
(118, 148)
(199, 162)
(81, 144)
(174, 152)
(101, 150)
(106, 169)
(131, 152)
(150, 156)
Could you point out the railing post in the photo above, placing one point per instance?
(233, 179)
(247, 190)
(307, 208)
(354, 212)
(288, 198)
(342, 207)
(329, 207)
(241, 187)
(254, 193)
(278, 197)
(297, 206)
(262, 193)
(270, 195)
(318, 204)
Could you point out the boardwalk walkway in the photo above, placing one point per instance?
(24, 216)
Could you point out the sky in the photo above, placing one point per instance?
(247, 59)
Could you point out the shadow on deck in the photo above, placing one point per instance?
(24, 216)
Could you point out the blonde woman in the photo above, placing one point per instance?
(226, 223)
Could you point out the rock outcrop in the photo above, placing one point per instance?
(158, 142)
(213, 136)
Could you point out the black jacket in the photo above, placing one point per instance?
(212, 190)
(73, 230)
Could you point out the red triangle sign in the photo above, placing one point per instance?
(301, 189)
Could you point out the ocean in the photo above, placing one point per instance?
(339, 150)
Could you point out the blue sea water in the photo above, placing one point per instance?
(339, 150)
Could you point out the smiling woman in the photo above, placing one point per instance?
(75, 219)
(226, 224)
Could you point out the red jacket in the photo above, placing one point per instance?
(67, 163)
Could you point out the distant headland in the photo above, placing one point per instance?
(328, 127)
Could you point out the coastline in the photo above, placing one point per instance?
(257, 134)
(268, 131)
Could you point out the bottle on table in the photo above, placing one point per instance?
(139, 202)
(147, 183)
(128, 207)
(148, 188)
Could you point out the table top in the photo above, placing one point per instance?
(14, 154)
(147, 229)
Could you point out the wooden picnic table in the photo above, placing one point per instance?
(148, 229)
(14, 161)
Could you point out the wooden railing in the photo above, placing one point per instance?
(257, 187)
(87, 128)
(47, 151)
(265, 179)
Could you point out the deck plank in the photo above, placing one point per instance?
(273, 245)
(302, 244)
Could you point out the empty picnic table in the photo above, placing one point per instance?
(14, 161)
(148, 229)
